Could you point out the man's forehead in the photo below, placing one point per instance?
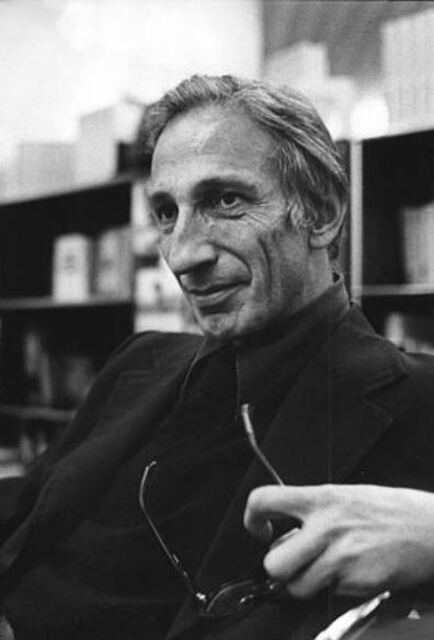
(225, 137)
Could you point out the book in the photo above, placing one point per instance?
(113, 263)
(417, 236)
(38, 381)
(53, 377)
(31, 445)
(72, 267)
(73, 376)
(157, 287)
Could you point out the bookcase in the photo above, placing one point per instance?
(392, 235)
(391, 179)
(51, 348)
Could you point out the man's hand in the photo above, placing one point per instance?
(358, 539)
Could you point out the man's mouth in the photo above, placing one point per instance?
(212, 295)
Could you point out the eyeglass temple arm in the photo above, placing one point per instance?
(188, 580)
(248, 427)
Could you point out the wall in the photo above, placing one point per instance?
(60, 58)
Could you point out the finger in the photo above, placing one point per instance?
(271, 502)
(318, 575)
(295, 553)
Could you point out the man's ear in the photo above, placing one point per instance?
(325, 230)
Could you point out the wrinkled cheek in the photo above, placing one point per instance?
(269, 259)
(226, 231)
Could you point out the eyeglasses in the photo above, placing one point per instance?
(262, 459)
(230, 598)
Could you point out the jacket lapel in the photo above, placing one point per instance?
(330, 420)
(326, 425)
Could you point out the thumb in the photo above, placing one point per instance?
(268, 503)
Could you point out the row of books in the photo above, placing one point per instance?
(408, 72)
(417, 236)
(117, 264)
(85, 266)
(50, 377)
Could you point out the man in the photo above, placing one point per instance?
(148, 486)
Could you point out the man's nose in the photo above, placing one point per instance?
(189, 246)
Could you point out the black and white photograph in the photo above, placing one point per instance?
(216, 320)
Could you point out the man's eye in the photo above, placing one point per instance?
(228, 200)
(224, 201)
(227, 204)
(166, 213)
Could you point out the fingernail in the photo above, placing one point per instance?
(285, 536)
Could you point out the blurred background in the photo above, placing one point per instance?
(60, 59)
(79, 261)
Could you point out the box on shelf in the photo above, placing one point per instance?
(72, 267)
(408, 72)
(305, 66)
(113, 263)
(410, 332)
(102, 139)
(417, 234)
(305, 60)
(39, 167)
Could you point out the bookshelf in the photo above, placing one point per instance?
(391, 183)
(48, 414)
(75, 336)
(51, 348)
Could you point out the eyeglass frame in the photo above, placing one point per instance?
(251, 591)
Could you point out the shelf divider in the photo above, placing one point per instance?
(48, 414)
(47, 302)
(394, 290)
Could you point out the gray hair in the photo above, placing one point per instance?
(308, 162)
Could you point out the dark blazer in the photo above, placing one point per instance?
(361, 411)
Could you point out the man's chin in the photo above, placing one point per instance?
(220, 326)
(227, 327)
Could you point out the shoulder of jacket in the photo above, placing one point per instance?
(420, 367)
(134, 355)
(141, 345)
(411, 400)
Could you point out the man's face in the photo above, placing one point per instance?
(225, 223)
